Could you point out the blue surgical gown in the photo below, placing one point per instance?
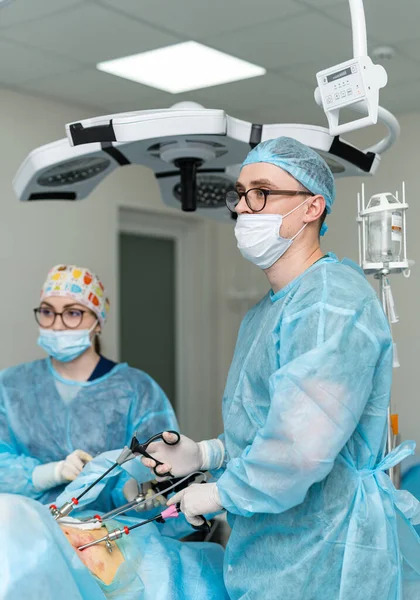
(44, 417)
(313, 513)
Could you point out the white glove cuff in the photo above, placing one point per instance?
(131, 490)
(45, 477)
(212, 454)
(216, 496)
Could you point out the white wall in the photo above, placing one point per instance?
(35, 236)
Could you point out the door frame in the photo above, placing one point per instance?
(195, 364)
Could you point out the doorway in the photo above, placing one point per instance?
(185, 324)
(148, 307)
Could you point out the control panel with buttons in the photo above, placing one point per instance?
(354, 84)
(341, 86)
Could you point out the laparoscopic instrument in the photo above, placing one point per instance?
(128, 453)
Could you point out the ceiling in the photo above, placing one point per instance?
(49, 48)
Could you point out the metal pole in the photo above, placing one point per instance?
(358, 24)
(394, 472)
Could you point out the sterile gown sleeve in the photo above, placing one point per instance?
(15, 469)
(151, 412)
(328, 357)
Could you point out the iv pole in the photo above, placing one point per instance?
(393, 435)
(380, 271)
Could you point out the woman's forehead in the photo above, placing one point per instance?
(61, 302)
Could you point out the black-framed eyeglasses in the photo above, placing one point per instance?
(256, 198)
(71, 317)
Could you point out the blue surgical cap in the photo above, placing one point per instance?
(300, 161)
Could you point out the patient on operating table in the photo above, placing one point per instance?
(40, 559)
(102, 563)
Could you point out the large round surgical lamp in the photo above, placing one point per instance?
(195, 153)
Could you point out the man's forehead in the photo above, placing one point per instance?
(259, 174)
(257, 182)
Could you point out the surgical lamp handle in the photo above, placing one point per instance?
(358, 24)
(391, 123)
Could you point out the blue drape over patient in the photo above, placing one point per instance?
(38, 562)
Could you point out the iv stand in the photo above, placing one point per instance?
(381, 269)
(392, 427)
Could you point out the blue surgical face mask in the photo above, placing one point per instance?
(65, 345)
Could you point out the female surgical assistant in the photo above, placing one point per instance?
(59, 412)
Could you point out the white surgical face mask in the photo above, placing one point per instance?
(259, 239)
(65, 345)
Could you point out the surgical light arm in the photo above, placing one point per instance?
(353, 84)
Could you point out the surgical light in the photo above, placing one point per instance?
(194, 152)
(73, 171)
(181, 68)
(210, 191)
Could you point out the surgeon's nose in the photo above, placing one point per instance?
(59, 325)
(242, 207)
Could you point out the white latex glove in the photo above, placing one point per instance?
(132, 489)
(185, 457)
(71, 467)
(182, 459)
(96, 468)
(198, 499)
(45, 477)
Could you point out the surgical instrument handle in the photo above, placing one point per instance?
(137, 448)
(178, 485)
(127, 454)
(171, 512)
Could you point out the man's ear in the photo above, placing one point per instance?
(315, 209)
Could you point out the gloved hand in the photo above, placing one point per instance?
(132, 489)
(181, 459)
(97, 468)
(185, 457)
(71, 467)
(45, 477)
(198, 499)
